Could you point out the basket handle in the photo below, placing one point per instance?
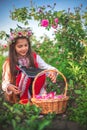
(57, 72)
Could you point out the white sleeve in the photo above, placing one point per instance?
(6, 77)
(42, 64)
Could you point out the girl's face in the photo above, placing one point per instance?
(22, 47)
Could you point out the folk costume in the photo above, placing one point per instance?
(23, 82)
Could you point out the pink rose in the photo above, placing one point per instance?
(38, 97)
(56, 20)
(44, 22)
(52, 94)
(19, 33)
(59, 96)
(11, 37)
(29, 33)
(4, 46)
(54, 26)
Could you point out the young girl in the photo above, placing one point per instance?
(14, 81)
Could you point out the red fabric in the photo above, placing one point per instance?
(38, 84)
(25, 94)
(18, 77)
(35, 62)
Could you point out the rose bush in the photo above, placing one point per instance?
(68, 50)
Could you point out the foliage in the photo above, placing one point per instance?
(24, 15)
(67, 52)
(50, 54)
(3, 49)
(22, 117)
(79, 113)
(2, 59)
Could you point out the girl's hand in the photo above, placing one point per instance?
(52, 76)
(14, 89)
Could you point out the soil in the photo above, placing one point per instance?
(65, 125)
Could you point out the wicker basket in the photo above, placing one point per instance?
(51, 105)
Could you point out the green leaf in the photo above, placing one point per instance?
(14, 123)
(44, 124)
(59, 13)
(77, 91)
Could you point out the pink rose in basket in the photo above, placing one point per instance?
(45, 97)
(59, 96)
(38, 97)
(51, 94)
(41, 97)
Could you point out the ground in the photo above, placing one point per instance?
(65, 125)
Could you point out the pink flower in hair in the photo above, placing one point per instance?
(11, 37)
(19, 34)
(29, 33)
(4, 46)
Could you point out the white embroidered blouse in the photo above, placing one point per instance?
(6, 71)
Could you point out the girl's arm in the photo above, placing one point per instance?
(6, 85)
(6, 77)
(42, 64)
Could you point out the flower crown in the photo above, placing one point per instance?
(19, 32)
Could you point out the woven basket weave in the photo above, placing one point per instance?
(51, 105)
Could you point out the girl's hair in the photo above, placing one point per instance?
(13, 58)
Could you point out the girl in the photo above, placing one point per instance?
(14, 81)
